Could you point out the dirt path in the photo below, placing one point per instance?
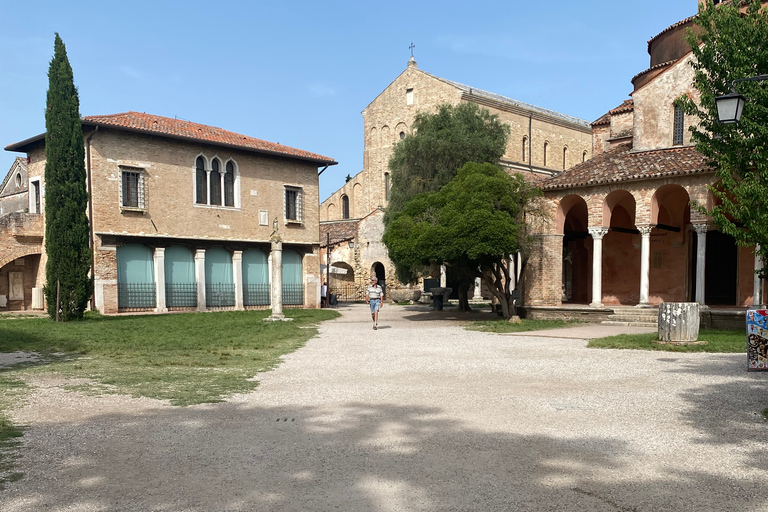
(419, 415)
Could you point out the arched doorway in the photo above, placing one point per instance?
(378, 271)
(621, 250)
(572, 220)
(669, 251)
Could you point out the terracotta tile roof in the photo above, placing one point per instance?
(184, 130)
(652, 68)
(626, 106)
(340, 230)
(621, 165)
(604, 119)
(176, 128)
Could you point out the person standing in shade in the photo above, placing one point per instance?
(373, 297)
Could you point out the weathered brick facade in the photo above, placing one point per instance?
(628, 213)
(390, 116)
(160, 156)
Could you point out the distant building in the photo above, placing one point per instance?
(541, 144)
(181, 217)
(623, 230)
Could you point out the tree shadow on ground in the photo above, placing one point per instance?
(353, 457)
(728, 412)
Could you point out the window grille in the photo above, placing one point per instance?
(293, 200)
(677, 138)
(132, 191)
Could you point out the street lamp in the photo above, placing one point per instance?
(731, 105)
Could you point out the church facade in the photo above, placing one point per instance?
(541, 144)
(624, 231)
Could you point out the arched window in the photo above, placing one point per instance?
(344, 207)
(215, 182)
(201, 179)
(584, 157)
(565, 157)
(546, 147)
(229, 184)
(386, 186)
(525, 149)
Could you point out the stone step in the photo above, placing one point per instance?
(629, 324)
(626, 318)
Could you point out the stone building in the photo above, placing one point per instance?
(624, 232)
(181, 216)
(541, 143)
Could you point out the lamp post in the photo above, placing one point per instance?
(731, 105)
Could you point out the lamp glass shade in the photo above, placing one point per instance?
(729, 108)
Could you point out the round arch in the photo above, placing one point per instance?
(619, 209)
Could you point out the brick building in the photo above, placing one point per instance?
(182, 214)
(541, 143)
(624, 232)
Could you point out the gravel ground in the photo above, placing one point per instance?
(417, 416)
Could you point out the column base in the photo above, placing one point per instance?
(643, 305)
(161, 310)
(596, 305)
(278, 318)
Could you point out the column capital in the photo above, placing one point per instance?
(645, 231)
(701, 228)
(598, 232)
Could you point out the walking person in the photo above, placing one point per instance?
(373, 296)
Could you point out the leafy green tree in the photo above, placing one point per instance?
(732, 45)
(472, 225)
(66, 198)
(440, 144)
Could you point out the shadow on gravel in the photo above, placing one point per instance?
(361, 458)
(728, 413)
(426, 313)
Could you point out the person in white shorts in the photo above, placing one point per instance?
(373, 296)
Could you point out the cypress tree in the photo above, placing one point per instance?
(66, 197)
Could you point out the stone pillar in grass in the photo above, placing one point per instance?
(277, 277)
(679, 322)
(237, 274)
(160, 306)
(200, 278)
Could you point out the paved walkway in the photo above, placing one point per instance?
(419, 415)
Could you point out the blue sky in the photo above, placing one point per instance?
(299, 73)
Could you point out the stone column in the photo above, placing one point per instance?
(237, 275)
(200, 278)
(277, 276)
(645, 267)
(160, 306)
(701, 256)
(478, 289)
(597, 265)
(757, 290)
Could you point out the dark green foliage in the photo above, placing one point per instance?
(66, 198)
(472, 225)
(440, 144)
(730, 46)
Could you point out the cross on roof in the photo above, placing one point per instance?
(411, 48)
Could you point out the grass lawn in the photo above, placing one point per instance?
(186, 358)
(718, 340)
(502, 325)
